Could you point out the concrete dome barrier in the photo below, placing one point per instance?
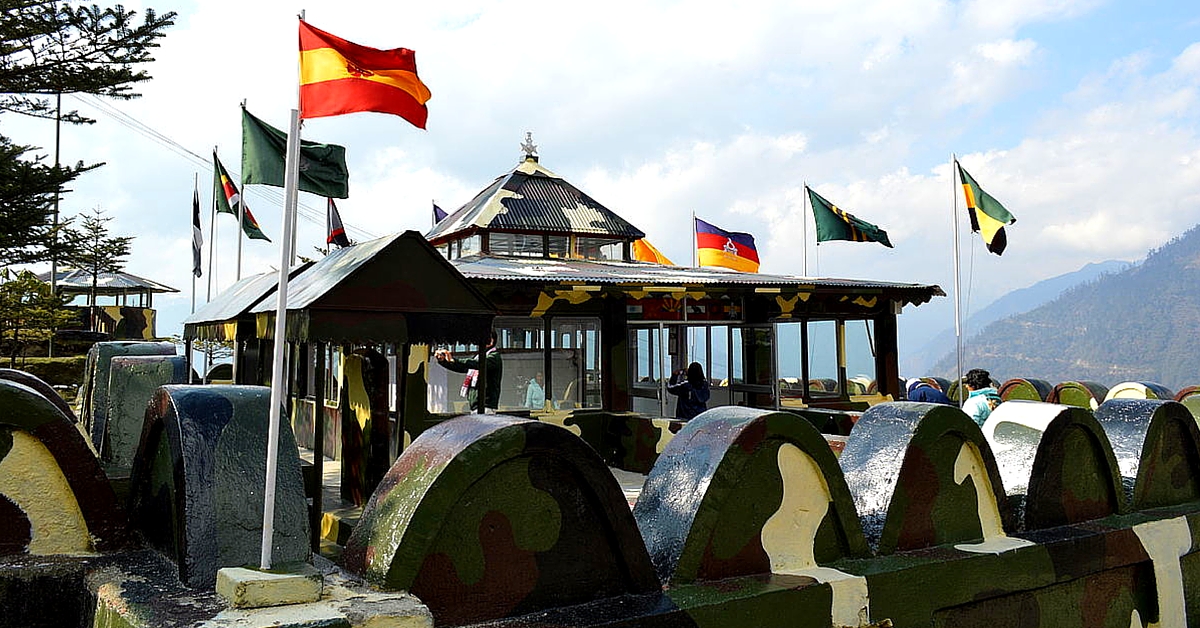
(491, 516)
(741, 491)
(196, 492)
(923, 475)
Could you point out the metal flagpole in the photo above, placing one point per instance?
(958, 344)
(804, 225)
(695, 241)
(291, 176)
(241, 210)
(212, 260)
(54, 252)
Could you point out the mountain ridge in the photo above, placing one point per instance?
(1133, 325)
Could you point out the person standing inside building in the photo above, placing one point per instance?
(983, 397)
(535, 392)
(470, 387)
(692, 390)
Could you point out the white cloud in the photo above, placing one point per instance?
(659, 109)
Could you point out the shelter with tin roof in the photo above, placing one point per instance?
(118, 304)
(601, 330)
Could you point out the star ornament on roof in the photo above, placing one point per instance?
(528, 146)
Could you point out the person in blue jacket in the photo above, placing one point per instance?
(692, 390)
(920, 390)
(983, 397)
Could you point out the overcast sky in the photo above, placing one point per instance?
(1080, 116)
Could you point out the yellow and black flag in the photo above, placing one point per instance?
(988, 216)
(836, 224)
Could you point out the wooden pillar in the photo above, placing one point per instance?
(887, 364)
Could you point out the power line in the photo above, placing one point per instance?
(267, 193)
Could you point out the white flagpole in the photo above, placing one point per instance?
(958, 344)
(804, 225)
(212, 244)
(695, 241)
(291, 176)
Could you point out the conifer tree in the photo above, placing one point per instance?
(50, 48)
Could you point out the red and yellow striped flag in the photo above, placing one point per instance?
(337, 76)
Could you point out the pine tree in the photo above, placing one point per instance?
(29, 313)
(93, 251)
(49, 48)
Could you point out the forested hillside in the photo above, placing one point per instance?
(919, 359)
(1141, 324)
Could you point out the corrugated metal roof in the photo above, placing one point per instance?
(487, 267)
(239, 298)
(105, 282)
(327, 273)
(532, 198)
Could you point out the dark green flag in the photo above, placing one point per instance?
(835, 224)
(322, 166)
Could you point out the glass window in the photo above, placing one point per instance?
(788, 363)
(599, 248)
(823, 348)
(516, 244)
(521, 342)
(752, 355)
(859, 351)
(557, 246)
(648, 346)
(575, 363)
(470, 246)
(333, 372)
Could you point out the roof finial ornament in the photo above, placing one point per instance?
(529, 147)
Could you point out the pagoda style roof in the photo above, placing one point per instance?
(532, 199)
(74, 281)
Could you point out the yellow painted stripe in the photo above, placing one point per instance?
(325, 64)
(715, 257)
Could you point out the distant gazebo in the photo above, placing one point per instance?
(130, 315)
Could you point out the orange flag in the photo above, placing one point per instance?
(337, 76)
(643, 251)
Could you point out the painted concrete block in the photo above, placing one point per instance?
(131, 384)
(298, 583)
(923, 475)
(93, 395)
(740, 491)
(54, 498)
(196, 491)
(490, 516)
(1157, 448)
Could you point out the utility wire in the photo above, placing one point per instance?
(268, 194)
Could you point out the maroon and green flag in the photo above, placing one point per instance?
(229, 200)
